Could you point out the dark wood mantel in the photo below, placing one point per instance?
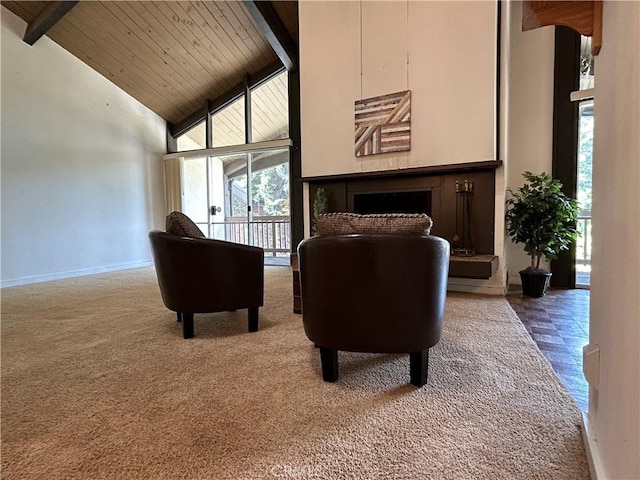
(412, 171)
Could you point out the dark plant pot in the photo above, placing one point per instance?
(534, 284)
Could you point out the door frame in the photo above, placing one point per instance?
(565, 137)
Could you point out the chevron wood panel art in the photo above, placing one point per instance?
(383, 124)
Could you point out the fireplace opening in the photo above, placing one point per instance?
(392, 202)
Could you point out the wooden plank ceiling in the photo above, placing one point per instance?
(169, 55)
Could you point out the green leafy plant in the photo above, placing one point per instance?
(320, 205)
(541, 217)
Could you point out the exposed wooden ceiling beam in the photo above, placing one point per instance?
(224, 99)
(585, 17)
(46, 19)
(274, 31)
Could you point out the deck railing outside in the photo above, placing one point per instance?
(272, 233)
(583, 248)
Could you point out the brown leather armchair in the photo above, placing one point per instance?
(377, 293)
(202, 275)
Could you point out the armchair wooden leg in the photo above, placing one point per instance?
(329, 361)
(179, 317)
(187, 325)
(419, 366)
(253, 319)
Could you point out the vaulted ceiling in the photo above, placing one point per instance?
(172, 56)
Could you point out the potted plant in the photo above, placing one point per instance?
(320, 205)
(543, 218)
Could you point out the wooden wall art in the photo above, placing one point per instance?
(383, 124)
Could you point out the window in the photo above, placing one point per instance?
(194, 139)
(269, 119)
(238, 190)
(270, 110)
(228, 125)
(586, 64)
(585, 154)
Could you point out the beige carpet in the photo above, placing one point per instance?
(97, 383)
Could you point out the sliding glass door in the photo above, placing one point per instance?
(585, 154)
(270, 218)
(243, 198)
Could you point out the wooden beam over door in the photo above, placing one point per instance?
(274, 31)
(585, 17)
(46, 19)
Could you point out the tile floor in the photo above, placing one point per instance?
(559, 323)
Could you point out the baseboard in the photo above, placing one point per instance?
(70, 274)
(596, 468)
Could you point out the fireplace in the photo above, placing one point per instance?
(418, 201)
(433, 193)
(430, 190)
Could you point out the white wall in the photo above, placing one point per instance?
(444, 52)
(614, 409)
(81, 165)
(529, 116)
